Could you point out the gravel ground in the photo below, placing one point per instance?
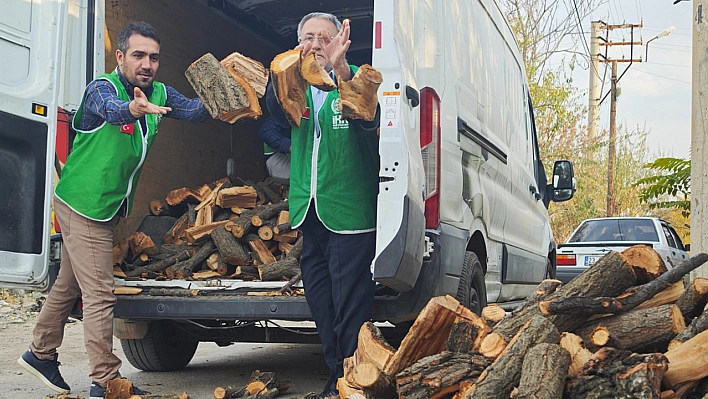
(211, 367)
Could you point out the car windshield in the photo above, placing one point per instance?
(615, 230)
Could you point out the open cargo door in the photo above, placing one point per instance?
(400, 220)
(31, 37)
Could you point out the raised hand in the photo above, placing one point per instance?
(141, 106)
(336, 50)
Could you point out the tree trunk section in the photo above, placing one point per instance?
(276, 271)
(543, 373)
(694, 299)
(359, 96)
(579, 354)
(439, 374)
(289, 86)
(230, 248)
(688, 361)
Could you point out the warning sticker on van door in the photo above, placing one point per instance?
(391, 109)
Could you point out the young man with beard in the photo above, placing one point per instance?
(333, 189)
(116, 123)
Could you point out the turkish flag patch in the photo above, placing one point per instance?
(127, 129)
(306, 114)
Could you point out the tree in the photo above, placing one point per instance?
(670, 188)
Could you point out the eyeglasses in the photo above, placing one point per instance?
(311, 38)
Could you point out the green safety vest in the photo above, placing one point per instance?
(345, 166)
(105, 163)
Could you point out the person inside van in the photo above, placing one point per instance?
(333, 189)
(276, 149)
(117, 123)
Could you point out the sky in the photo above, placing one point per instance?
(656, 93)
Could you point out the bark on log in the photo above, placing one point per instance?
(428, 334)
(226, 96)
(543, 373)
(177, 231)
(439, 374)
(463, 336)
(264, 255)
(579, 355)
(268, 212)
(499, 379)
(371, 347)
(615, 305)
(289, 86)
(670, 295)
(359, 96)
(493, 314)
(200, 233)
(314, 74)
(162, 208)
(694, 298)
(251, 70)
(287, 288)
(282, 228)
(159, 267)
(266, 233)
(296, 251)
(239, 196)
(372, 381)
(187, 267)
(638, 330)
(688, 361)
(242, 225)
(269, 192)
(601, 336)
(276, 271)
(184, 194)
(647, 263)
(697, 326)
(615, 373)
(230, 248)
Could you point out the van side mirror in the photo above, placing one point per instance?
(687, 247)
(563, 185)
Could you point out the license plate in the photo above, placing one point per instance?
(590, 260)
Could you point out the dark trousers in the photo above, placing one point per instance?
(338, 286)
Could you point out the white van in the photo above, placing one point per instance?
(463, 196)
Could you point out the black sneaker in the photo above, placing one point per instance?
(328, 393)
(98, 392)
(46, 370)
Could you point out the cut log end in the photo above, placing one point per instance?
(315, 75)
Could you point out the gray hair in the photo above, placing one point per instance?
(136, 28)
(322, 15)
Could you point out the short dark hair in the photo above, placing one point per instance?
(139, 28)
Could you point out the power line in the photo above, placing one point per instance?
(660, 76)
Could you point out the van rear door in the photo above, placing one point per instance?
(400, 220)
(31, 36)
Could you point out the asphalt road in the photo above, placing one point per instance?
(211, 367)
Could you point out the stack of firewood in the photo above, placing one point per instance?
(625, 328)
(221, 230)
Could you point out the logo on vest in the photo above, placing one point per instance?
(127, 129)
(337, 121)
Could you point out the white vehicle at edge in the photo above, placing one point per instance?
(594, 238)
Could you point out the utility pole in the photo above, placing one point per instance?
(699, 133)
(594, 91)
(611, 146)
(611, 152)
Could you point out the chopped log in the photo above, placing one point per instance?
(161, 208)
(493, 314)
(697, 326)
(195, 234)
(440, 374)
(242, 225)
(287, 267)
(579, 355)
(240, 196)
(670, 295)
(597, 305)
(136, 244)
(160, 266)
(119, 388)
(123, 290)
(191, 215)
(184, 194)
(601, 336)
(345, 391)
(251, 70)
(118, 272)
(372, 381)
(205, 275)
(296, 251)
(226, 96)
(224, 392)
(249, 272)
(212, 261)
(694, 298)
(372, 347)
(359, 96)
(230, 248)
(647, 263)
(181, 292)
(187, 267)
(209, 196)
(315, 74)
(289, 86)
(272, 195)
(463, 336)
(268, 212)
(287, 288)
(638, 330)
(262, 251)
(499, 379)
(492, 346)
(616, 373)
(176, 231)
(428, 334)
(288, 237)
(285, 248)
(282, 228)
(688, 361)
(265, 233)
(205, 216)
(543, 373)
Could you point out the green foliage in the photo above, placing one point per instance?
(670, 188)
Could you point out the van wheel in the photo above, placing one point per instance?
(550, 270)
(163, 348)
(472, 292)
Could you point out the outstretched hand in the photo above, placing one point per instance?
(334, 49)
(141, 106)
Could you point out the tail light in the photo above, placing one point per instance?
(430, 150)
(565, 260)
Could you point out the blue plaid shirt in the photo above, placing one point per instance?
(102, 104)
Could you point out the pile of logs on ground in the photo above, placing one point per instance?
(218, 231)
(625, 328)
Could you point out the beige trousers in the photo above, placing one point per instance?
(87, 271)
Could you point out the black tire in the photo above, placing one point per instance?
(550, 270)
(472, 293)
(164, 348)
